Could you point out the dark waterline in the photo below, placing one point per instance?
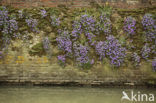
(28, 94)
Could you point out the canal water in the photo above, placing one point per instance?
(69, 95)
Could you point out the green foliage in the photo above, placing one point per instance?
(37, 50)
(106, 10)
(86, 65)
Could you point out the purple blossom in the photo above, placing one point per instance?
(146, 50)
(104, 24)
(64, 42)
(46, 43)
(55, 21)
(17, 35)
(13, 26)
(7, 25)
(81, 54)
(149, 25)
(86, 25)
(112, 49)
(150, 36)
(32, 24)
(129, 26)
(61, 58)
(90, 37)
(148, 22)
(20, 14)
(154, 65)
(136, 58)
(77, 30)
(6, 41)
(43, 13)
(1, 55)
(3, 16)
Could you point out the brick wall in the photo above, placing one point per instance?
(75, 3)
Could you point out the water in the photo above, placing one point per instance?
(66, 95)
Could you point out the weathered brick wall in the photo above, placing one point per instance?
(76, 3)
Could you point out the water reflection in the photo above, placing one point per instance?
(65, 95)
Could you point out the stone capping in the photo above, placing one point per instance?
(77, 3)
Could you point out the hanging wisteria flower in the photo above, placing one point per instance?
(104, 24)
(43, 13)
(154, 65)
(55, 21)
(129, 26)
(136, 58)
(46, 43)
(112, 49)
(146, 51)
(32, 24)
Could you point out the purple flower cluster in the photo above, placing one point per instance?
(55, 21)
(20, 14)
(149, 25)
(146, 50)
(136, 58)
(150, 36)
(32, 24)
(129, 26)
(85, 25)
(154, 65)
(43, 13)
(7, 25)
(1, 55)
(46, 43)
(13, 26)
(112, 49)
(148, 22)
(90, 37)
(64, 42)
(61, 58)
(17, 35)
(6, 41)
(81, 54)
(77, 30)
(104, 24)
(3, 16)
